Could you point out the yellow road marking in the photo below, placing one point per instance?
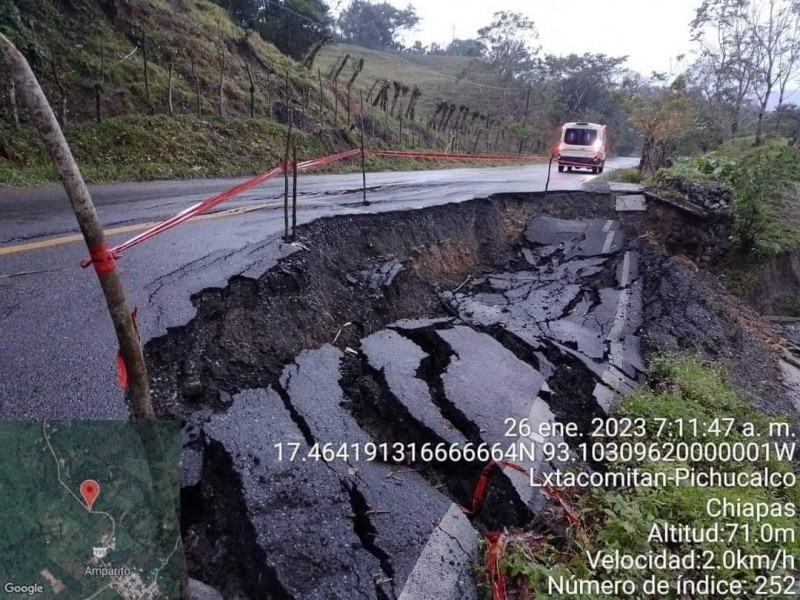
(68, 239)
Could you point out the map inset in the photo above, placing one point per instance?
(90, 510)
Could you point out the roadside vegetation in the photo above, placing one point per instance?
(146, 148)
(765, 183)
(622, 519)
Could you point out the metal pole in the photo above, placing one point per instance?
(547, 183)
(294, 191)
(363, 156)
(78, 194)
(286, 180)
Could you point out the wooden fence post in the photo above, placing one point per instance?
(294, 190)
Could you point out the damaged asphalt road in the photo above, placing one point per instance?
(41, 378)
(306, 377)
(552, 335)
(391, 332)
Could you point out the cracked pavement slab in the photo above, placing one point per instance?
(401, 509)
(335, 565)
(568, 301)
(399, 359)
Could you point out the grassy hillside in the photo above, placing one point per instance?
(85, 50)
(86, 42)
(126, 55)
(142, 148)
(471, 82)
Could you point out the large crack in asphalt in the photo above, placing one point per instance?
(307, 394)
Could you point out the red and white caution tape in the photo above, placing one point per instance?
(208, 204)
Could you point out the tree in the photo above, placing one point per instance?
(789, 60)
(242, 12)
(435, 50)
(771, 23)
(725, 70)
(294, 26)
(375, 25)
(470, 47)
(509, 44)
(663, 115)
(582, 82)
(417, 48)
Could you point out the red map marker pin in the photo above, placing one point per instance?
(89, 490)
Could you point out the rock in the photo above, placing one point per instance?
(192, 389)
(631, 203)
(225, 398)
(191, 467)
(201, 591)
(216, 371)
(707, 196)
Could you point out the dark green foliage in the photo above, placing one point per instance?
(294, 26)
(375, 25)
(470, 47)
(508, 44)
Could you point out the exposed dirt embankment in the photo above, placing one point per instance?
(421, 327)
(244, 334)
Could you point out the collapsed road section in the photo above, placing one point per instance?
(308, 395)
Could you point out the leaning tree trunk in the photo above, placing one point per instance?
(760, 125)
(45, 121)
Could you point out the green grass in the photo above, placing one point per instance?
(680, 388)
(632, 175)
(90, 46)
(741, 147)
(141, 148)
(437, 76)
(144, 148)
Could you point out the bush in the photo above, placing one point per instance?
(632, 175)
(762, 182)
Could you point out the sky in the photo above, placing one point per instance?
(651, 32)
